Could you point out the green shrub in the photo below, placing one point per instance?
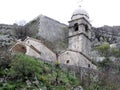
(5, 60)
(115, 52)
(24, 67)
(105, 64)
(7, 86)
(103, 49)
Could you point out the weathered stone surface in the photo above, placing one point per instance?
(80, 44)
(75, 58)
(78, 88)
(54, 34)
(48, 28)
(50, 31)
(6, 35)
(35, 48)
(45, 52)
(105, 34)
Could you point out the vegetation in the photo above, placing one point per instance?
(109, 68)
(20, 72)
(24, 72)
(106, 51)
(103, 50)
(107, 76)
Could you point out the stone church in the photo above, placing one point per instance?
(77, 33)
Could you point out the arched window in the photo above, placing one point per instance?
(86, 28)
(20, 48)
(76, 27)
(67, 61)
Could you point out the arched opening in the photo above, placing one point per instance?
(67, 61)
(76, 28)
(86, 28)
(88, 65)
(20, 48)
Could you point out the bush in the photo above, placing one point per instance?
(105, 64)
(103, 50)
(115, 52)
(5, 60)
(109, 68)
(24, 67)
(7, 86)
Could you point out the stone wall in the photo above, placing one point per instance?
(81, 44)
(81, 72)
(75, 58)
(52, 32)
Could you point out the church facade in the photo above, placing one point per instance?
(79, 44)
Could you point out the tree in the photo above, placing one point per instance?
(103, 50)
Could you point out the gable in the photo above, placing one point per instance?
(19, 47)
(44, 52)
(36, 43)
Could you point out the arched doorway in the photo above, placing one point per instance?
(19, 48)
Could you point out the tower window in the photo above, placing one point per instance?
(86, 28)
(68, 61)
(76, 27)
(88, 65)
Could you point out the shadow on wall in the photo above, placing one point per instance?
(20, 48)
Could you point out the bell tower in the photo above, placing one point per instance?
(80, 32)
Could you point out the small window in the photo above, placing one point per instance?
(35, 49)
(68, 61)
(86, 28)
(89, 65)
(76, 27)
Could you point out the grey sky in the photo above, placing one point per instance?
(101, 12)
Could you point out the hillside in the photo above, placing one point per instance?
(27, 73)
(105, 47)
(100, 35)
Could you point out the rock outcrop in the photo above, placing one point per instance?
(47, 28)
(6, 35)
(105, 34)
(52, 32)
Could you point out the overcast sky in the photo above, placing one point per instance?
(101, 12)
